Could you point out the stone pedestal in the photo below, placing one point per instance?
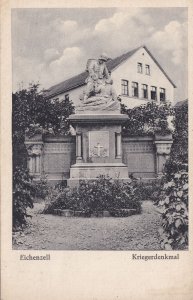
(98, 146)
(34, 148)
(163, 148)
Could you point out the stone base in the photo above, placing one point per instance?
(90, 171)
(75, 182)
(93, 170)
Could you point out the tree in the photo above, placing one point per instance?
(33, 113)
(148, 119)
(174, 196)
(178, 160)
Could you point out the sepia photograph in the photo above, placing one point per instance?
(100, 129)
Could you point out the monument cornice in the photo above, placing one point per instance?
(98, 119)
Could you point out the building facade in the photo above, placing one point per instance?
(137, 79)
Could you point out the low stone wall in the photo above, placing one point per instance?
(146, 156)
(104, 213)
(139, 154)
(53, 156)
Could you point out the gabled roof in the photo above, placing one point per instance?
(79, 80)
(159, 66)
(113, 63)
(67, 85)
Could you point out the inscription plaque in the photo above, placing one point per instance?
(98, 144)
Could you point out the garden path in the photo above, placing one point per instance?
(51, 232)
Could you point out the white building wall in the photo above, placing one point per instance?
(73, 95)
(128, 71)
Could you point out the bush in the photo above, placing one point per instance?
(179, 152)
(32, 113)
(148, 119)
(174, 197)
(94, 196)
(149, 191)
(41, 188)
(174, 204)
(23, 195)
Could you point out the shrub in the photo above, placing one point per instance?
(148, 119)
(94, 196)
(23, 195)
(174, 198)
(179, 152)
(32, 113)
(41, 188)
(174, 204)
(149, 190)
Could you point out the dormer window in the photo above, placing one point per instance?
(124, 87)
(147, 69)
(139, 68)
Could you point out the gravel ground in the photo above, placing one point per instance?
(51, 232)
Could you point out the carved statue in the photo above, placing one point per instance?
(98, 74)
(99, 93)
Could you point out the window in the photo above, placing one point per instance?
(124, 87)
(144, 91)
(67, 97)
(139, 68)
(135, 92)
(153, 93)
(162, 94)
(147, 69)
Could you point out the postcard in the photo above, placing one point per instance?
(96, 124)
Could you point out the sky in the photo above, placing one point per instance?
(51, 45)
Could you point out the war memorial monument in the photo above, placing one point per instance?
(98, 147)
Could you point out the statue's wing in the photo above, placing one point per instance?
(90, 63)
